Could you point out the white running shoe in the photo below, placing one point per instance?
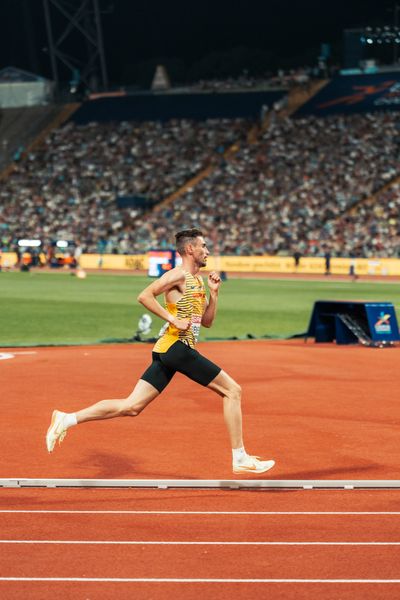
(252, 464)
(56, 431)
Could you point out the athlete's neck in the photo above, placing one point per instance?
(189, 265)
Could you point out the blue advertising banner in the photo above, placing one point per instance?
(162, 107)
(349, 94)
(351, 322)
(382, 321)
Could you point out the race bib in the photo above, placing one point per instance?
(195, 326)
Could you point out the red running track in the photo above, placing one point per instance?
(340, 544)
(322, 411)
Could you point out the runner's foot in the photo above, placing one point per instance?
(252, 464)
(56, 431)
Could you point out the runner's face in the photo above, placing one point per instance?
(200, 252)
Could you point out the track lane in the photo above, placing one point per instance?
(199, 562)
(206, 561)
(198, 527)
(217, 591)
(200, 500)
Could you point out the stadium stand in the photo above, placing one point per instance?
(372, 228)
(67, 187)
(19, 127)
(188, 105)
(307, 184)
(285, 192)
(300, 77)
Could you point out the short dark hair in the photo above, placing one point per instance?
(186, 236)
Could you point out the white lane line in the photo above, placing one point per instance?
(8, 355)
(18, 353)
(193, 543)
(191, 580)
(197, 512)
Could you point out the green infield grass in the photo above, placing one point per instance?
(56, 308)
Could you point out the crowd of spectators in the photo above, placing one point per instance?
(286, 79)
(67, 188)
(300, 187)
(372, 229)
(287, 192)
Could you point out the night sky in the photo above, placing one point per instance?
(270, 33)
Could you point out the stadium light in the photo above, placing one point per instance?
(29, 243)
(376, 35)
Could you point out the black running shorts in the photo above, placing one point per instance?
(183, 359)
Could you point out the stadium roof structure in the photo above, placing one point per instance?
(15, 75)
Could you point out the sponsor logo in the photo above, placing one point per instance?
(360, 93)
(383, 323)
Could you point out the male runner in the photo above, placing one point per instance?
(186, 309)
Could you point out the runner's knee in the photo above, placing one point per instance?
(131, 409)
(234, 391)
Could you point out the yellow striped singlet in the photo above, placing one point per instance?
(189, 306)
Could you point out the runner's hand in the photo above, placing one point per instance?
(181, 324)
(214, 281)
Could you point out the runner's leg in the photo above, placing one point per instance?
(231, 392)
(138, 399)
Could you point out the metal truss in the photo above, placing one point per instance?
(76, 42)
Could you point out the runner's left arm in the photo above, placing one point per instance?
(214, 281)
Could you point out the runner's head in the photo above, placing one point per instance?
(186, 237)
(190, 242)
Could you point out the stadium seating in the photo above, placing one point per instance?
(301, 186)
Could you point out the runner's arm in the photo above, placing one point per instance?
(214, 281)
(148, 297)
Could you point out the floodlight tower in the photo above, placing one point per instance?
(75, 41)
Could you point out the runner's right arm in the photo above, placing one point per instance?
(148, 297)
